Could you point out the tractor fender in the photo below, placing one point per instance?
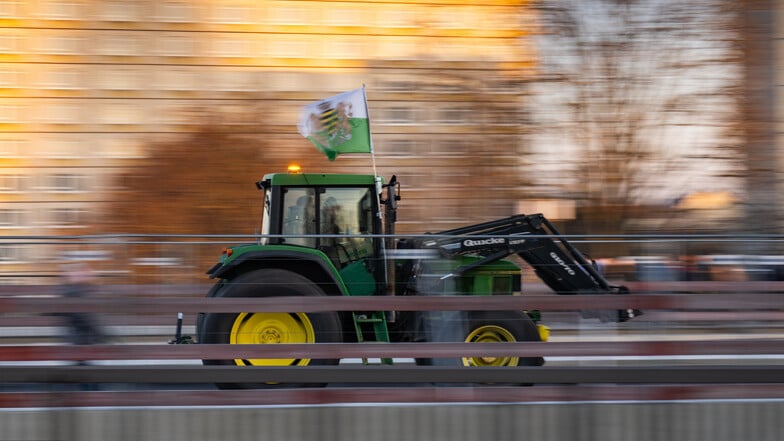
(313, 264)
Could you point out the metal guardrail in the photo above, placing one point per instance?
(654, 379)
(617, 375)
(48, 367)
(190, 297)
(714, 302)
(704, 363)
(740, 346)
(60, 396)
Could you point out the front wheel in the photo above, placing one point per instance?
(270, 327)
(481, 327)
(501, 327)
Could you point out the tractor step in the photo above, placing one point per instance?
(380, 331)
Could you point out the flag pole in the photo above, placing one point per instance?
(376, 178)
(370, 141)
(370, 131)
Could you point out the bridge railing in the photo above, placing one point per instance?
(697, 339)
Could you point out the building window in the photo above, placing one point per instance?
(497, 84)
(58, 113)
(399, 147)
(504, 115)
(285, 15)
(175, 11)
(121, 113)
(12, 148)
(119, 10)
(175, 45)
(397, 115)
(10, 78)
(67, 217)
(350, 15)
(65, 183)
(231, 46)
(290, 47)
(343, 47)
(10, 8)
(456, 17)
(399, 18)
(121, 147)
(398, 48)
(451, 147)
(233, 13)
(63, 148)
(13, 183)
(119, 78)
(174, 78)
(158, 261)
(61, 9)
(12, 254)
(9, 44)
(10, 113)
(399, 83)
(86, 255)
(12, 218)
(119, 43)
(458, 115)
(233, 80)
(60, 79)
(60, 44)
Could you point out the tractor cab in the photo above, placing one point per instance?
(336, 214)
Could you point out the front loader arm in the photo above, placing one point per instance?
(532, 237)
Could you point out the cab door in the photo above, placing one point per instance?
(338, 221)
(346, 221)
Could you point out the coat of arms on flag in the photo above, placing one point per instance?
(338, 124)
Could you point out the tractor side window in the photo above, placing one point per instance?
(265, 219)
(299, 216)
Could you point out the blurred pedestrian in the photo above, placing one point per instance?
(82, 327)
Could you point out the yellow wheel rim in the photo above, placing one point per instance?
(262, 328)
(490, 334)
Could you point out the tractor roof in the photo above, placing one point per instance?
(309, 179)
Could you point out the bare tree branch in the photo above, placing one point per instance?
(636, 88)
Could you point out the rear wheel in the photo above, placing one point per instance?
(270, 327)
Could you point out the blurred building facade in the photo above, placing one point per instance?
(762, 49)
(86, 85)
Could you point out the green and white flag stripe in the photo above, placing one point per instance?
(338, 124)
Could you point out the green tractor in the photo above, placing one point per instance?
(333, 235)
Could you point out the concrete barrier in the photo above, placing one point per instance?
(731, 420)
